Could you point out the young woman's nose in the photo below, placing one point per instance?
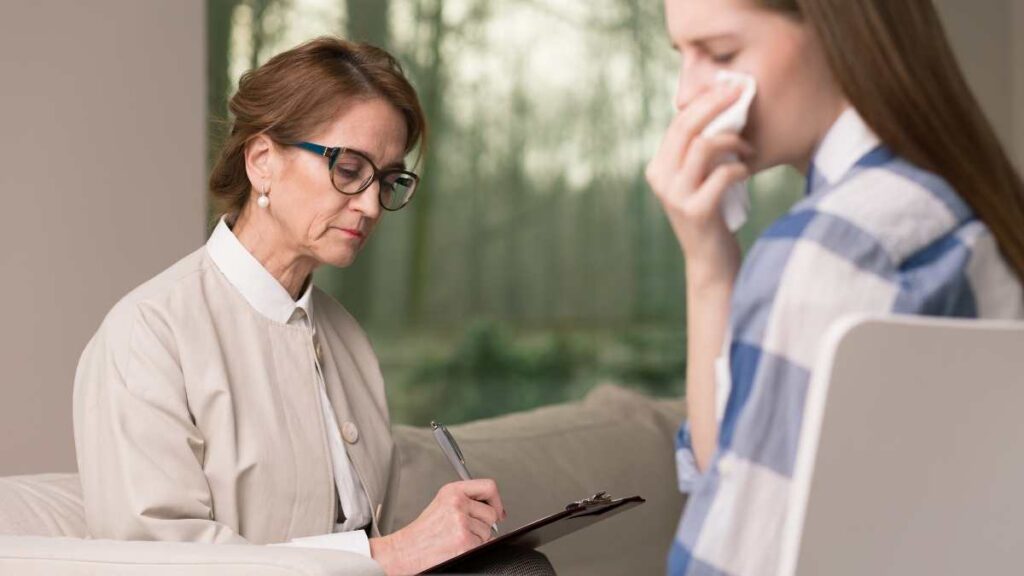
(693, 80)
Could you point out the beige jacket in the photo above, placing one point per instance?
(198, 419)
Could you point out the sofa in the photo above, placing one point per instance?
(614, 440)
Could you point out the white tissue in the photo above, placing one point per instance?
(736, 202)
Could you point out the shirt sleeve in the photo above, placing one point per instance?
(355, 541)
(139, 452)
(687, 472)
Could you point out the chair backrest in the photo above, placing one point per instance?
(911, 458)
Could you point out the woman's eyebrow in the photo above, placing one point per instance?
(397, 164)
(704, 41)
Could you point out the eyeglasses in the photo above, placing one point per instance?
(352, 173)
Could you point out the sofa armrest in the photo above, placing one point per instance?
(42, 556)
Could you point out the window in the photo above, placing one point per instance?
(534, 262)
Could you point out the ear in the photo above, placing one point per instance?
(259, 161)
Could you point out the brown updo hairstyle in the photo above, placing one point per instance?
(299, 91)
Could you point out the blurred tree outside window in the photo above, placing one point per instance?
(534, 262)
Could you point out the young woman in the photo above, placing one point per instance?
(912, 207)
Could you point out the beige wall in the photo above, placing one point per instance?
(102, 108)
(986, 35)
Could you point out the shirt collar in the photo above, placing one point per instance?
(252, 280)
(847, 141)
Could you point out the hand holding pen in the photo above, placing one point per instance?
(462, 516)
(451, 451)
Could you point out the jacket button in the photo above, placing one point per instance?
(350, 433)
(317, 350)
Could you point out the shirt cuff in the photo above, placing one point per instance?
(687, 472)
(354, 541)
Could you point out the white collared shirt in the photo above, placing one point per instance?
(848, 141)
(265, 294)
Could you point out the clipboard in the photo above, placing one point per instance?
(576, 516)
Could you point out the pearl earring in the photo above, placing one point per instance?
(263, 201)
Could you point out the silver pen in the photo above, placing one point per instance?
(451, 451)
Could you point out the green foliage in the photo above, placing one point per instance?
(652, 359)
(491, 370)
(490, 373)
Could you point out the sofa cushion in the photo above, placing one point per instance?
(615, 440)
(42, 505)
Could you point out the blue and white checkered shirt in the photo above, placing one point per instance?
(875, 234)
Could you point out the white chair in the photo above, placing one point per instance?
(911, 458)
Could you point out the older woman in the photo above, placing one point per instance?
(229, 400)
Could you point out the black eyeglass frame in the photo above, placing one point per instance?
(333, 153)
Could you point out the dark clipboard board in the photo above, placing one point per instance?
(576, 516)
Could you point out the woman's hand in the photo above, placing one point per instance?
(689, 179)
(459, 518)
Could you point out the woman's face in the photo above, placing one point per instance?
(317, 221)
(798, 99)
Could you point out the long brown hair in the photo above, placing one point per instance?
(895, 65)
(299, 91)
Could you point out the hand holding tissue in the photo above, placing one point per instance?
(736, 202)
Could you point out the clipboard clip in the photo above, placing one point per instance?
(595, 500)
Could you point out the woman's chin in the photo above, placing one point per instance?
(339, 259)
